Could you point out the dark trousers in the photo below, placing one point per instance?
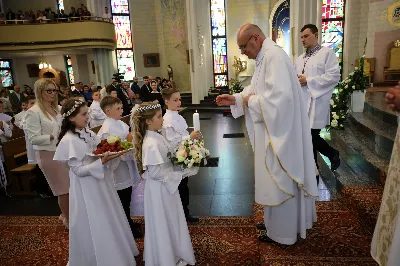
(320, 145)
(125, 198)
(184, 193)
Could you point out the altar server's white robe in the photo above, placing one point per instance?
(167, 238)
(385, 245)
(96, 114)
(125, 173)
(278, 127)
(99, 233)
(323, 74)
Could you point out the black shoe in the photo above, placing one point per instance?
(191, 219)
(264, 238)
(137, 234)
(335, 161)
(261, 226)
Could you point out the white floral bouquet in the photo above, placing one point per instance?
(190, 155)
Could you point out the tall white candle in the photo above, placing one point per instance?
(196, 121)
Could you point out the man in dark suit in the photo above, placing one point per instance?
(16, 99)
(145, 91)
(122, 95)
(135, 87)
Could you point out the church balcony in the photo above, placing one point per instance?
(91, 32)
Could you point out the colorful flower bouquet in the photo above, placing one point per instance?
(190, 155)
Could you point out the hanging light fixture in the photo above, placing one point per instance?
(44, 64)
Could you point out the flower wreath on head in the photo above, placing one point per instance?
(146, 108)
(70, 111)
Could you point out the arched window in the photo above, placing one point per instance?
(332, 27)
(124, 51)
(60, 5)
(281, 25)
(70, 71)
(219, 45)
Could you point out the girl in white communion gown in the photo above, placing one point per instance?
(167, 240)
(99, 233)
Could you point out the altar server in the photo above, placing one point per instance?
(318, 73)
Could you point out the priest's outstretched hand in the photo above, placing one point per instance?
(225, 100)
(393, 98)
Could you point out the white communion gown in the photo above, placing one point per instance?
(99, 233)
(167, 240)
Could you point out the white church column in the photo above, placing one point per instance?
(105, 64)
(301, 13)
(199, 41)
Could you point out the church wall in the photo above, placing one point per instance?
(92, 76)
(20, 70)
(145, 35)
(238, 13)
(172, 39)
(380, 34)
(363, 20)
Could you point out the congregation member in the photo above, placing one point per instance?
(167, 240)
(135, 87)
(96, 114)
(16, 99)
(43, 122)
(99, 232)
(4, 97)
(124, 173)
(285, 181)
(174, 130)
(145, 90)
(318, 73)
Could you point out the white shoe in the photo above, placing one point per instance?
(181, 262)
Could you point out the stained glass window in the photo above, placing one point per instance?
(281, 26)
(219, 46)
(120, 6)
(60, 4)
(123, 31)
(6, 74)
(332, 37)
(126, 65)
(332, 26)
(332, 9)
(4, 64)
(218, 27)
(70, 70)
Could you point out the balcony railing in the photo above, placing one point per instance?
(88, 32)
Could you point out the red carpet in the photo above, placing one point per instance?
(336, 239)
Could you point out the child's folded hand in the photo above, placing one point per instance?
(195, 134)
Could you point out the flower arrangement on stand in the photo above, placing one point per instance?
(354, 82)
(235, 86)
(190, 155)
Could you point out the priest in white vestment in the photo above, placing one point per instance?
(319, 73)
(279, 131)
(385, 245)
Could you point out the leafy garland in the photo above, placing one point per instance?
(355, 81)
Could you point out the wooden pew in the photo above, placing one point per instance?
(19, 175)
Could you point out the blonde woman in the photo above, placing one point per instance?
(43, 122)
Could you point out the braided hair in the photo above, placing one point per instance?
(68, 125)
(140, 127)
